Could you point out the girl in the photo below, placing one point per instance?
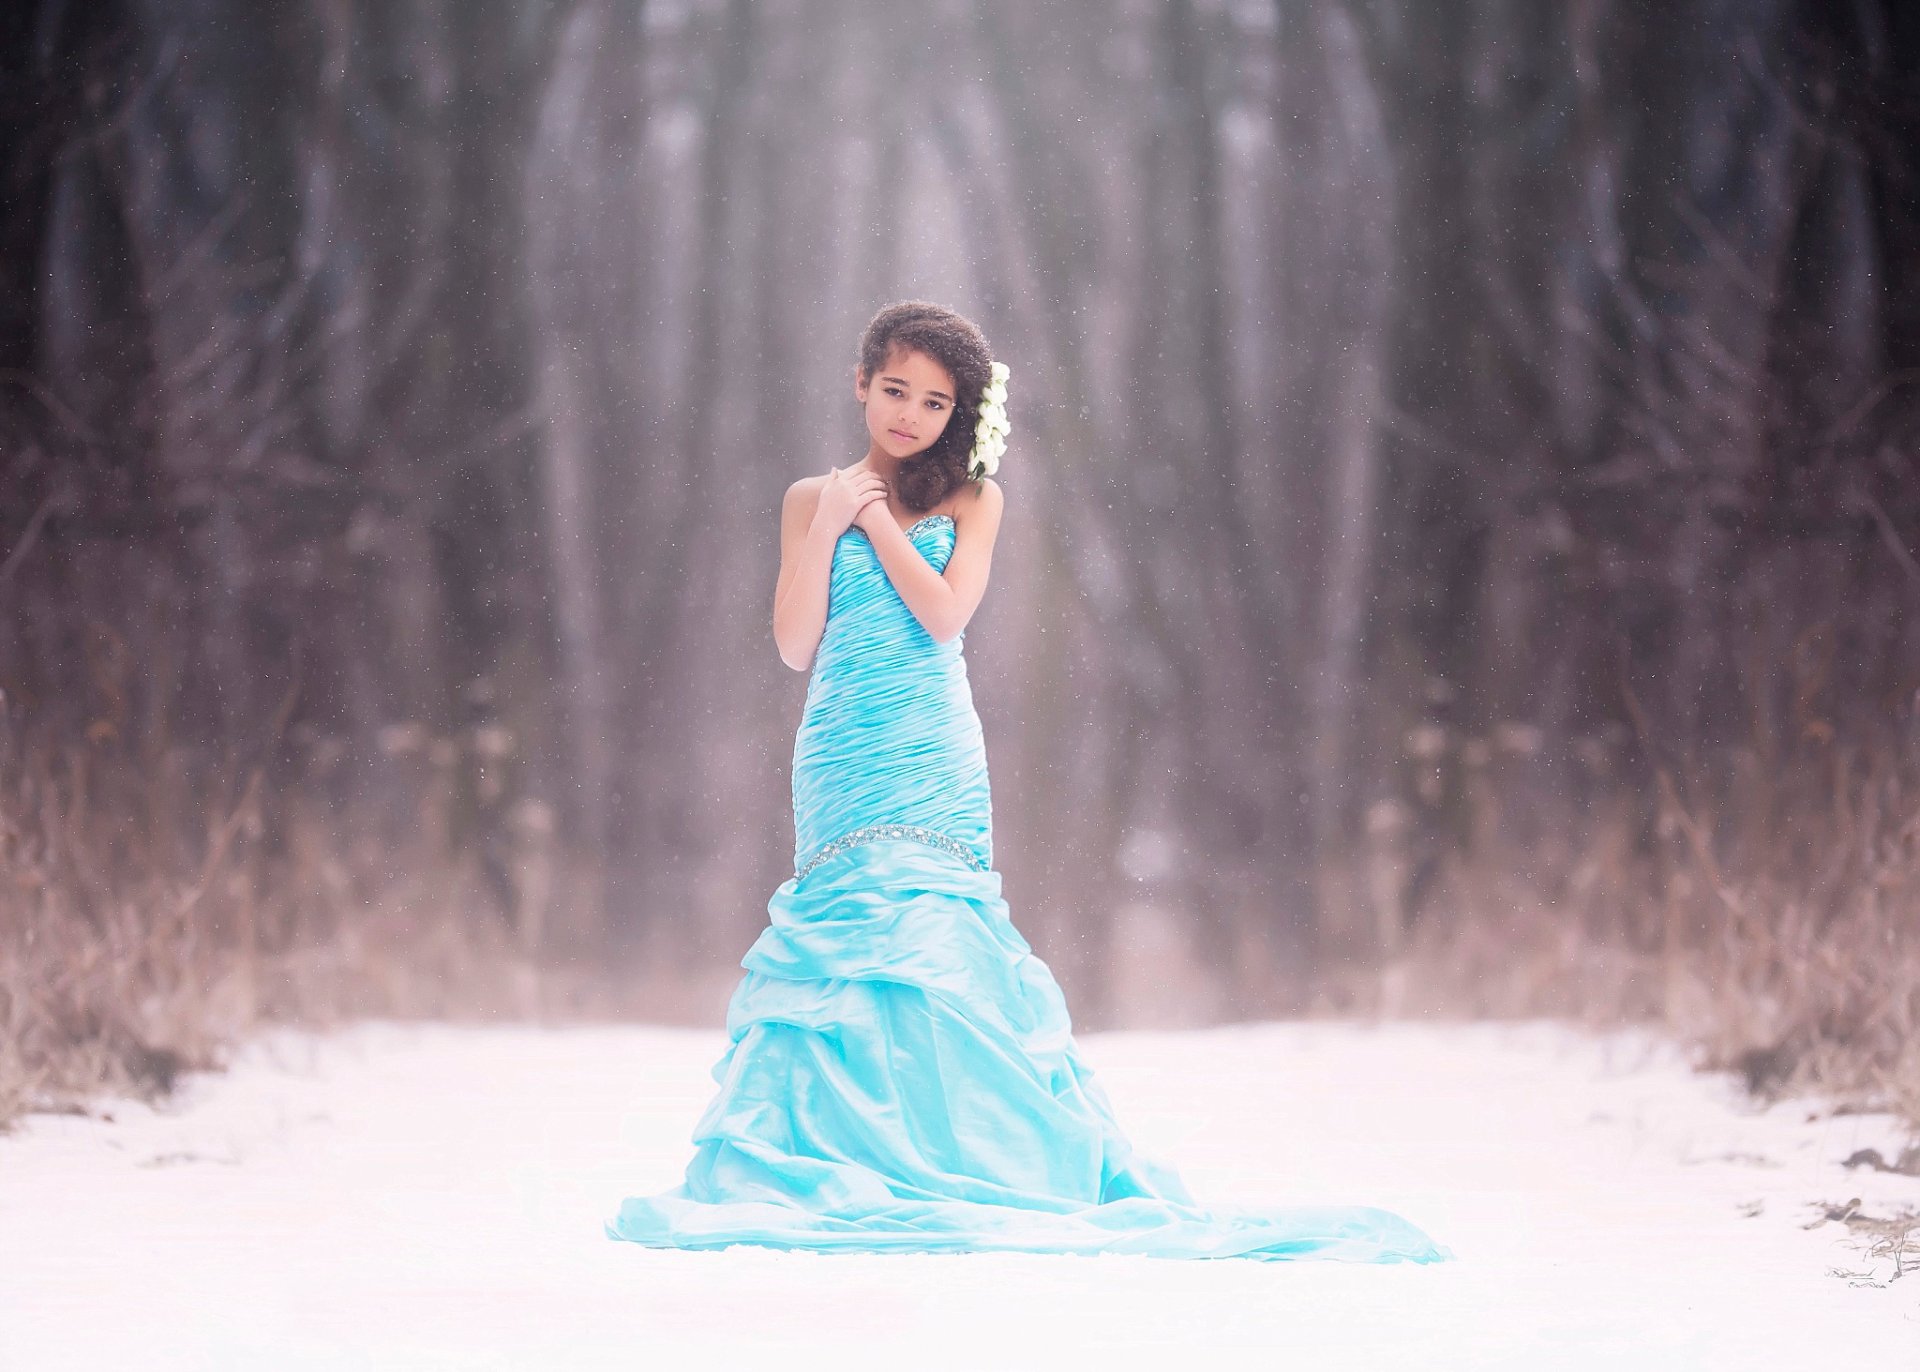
(901, 1073)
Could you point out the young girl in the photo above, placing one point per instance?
(902, 1073)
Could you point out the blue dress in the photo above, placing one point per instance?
(901, 1074)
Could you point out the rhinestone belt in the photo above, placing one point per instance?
(869, 833)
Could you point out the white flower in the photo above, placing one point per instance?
(991, 430)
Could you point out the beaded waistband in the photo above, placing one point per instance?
(872, 832)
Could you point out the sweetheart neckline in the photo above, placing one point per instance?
(908, 530)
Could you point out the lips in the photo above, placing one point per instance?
(904, 438)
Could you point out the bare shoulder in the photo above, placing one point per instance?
(980, 503)
(802, 498)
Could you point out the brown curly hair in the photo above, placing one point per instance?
(956, 343)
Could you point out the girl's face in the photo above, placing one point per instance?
(908, 402)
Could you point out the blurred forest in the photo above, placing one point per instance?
(1462, 512)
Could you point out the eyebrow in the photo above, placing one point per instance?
(903, 381)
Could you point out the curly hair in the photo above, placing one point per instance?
(956, 343)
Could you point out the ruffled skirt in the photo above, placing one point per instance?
(902, 1076)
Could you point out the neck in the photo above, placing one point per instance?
(880, 462)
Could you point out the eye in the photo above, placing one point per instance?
(891, 390)
(936, 404)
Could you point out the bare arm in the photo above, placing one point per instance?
(806, 560)
(815, 512)
(942, 602)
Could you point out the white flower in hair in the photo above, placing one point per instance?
(991, 429)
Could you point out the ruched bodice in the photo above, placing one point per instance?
(889, 742)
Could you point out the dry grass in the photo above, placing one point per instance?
(1781, 938)
(136, 947)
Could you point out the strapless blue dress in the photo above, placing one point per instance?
(901, 1074)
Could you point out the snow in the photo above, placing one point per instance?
(431, 1196)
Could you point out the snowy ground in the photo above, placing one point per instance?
(399, 1197)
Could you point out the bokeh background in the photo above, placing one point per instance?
(1462, 507)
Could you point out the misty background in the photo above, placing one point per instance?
(1462, 511)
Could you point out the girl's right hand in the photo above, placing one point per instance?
(844, 495)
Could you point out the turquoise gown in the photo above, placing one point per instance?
(901, 1074)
